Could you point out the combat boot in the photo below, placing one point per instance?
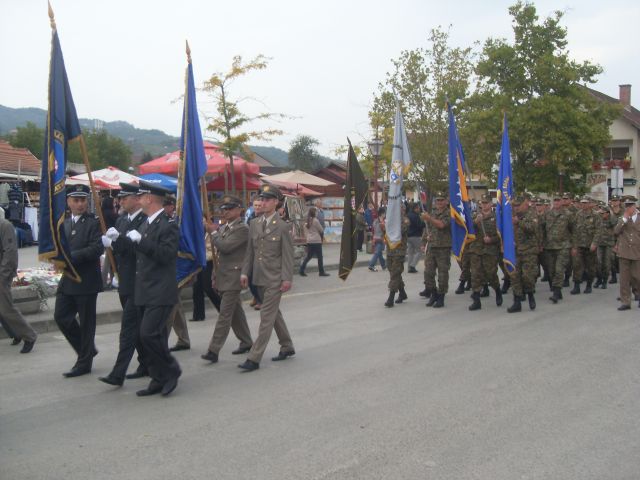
(506, 283)
(402, 295)
(598, 282)
(425, 293)
(576, 288)
(517, 306)
(467, 286)
(389, 302)
(460, 289)
(498, 297)
(565, 283)
(587, 289)
(432, 300)
(557, 295)
(545, 276)
(614, 278)
(485, 291)
(439, 301)
(604, 283)
(532, 301)
(476, 305)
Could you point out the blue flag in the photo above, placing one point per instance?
(193, 165)
(62, 127)
(504, 212)
(462, 229)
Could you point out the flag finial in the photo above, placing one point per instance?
(51, 18)
(188, 51)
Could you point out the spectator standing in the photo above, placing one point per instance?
(315, 234)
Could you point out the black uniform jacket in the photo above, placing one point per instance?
(85, 245)
(156, 256)
(124, 251)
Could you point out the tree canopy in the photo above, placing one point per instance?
(303, 154)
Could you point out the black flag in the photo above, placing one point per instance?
(355, 192)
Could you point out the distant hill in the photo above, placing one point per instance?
(275, 155)
(139, 140)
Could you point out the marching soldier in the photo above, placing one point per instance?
(395, 263)
(572, 207)
(438, 252)
(541, 209)
(605, 249)
(525, 232)
(628, 244)
(230, 242)
(465, 273)
(484, 252)
(82, 230)
(124, 251)
(558, 229)
(156, 288)
(616, 212)
(269, 261)
(586, 239)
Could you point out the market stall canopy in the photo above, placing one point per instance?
(217, 184)
(294, 188)
(298, 176)
(107, 178)
(165, 181)
(217, 162)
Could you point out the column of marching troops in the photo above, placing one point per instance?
(145, 244)
(560, 241)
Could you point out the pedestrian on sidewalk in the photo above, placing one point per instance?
(11, 319)
(314, 233)
(378, 241)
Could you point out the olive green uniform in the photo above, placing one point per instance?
(483, 256)
(587, 231)
(558, 228)
(395, 259)
(605, 248)
(438, 255)
(526, 234)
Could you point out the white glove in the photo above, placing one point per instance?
(106, 241)
(135, 236)
(112, 233)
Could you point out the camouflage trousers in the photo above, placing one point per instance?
(557, 261)
(465, 267)
(523, 277)
(484, 269)
(585, 261)
(395, 265)
(605, 261)
(437, 259)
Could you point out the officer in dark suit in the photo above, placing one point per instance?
(156, 287)
(82, 231)
(124, 251)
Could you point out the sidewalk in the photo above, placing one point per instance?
(108, 308)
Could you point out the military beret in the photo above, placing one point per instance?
(584, 199)
(127, 189)
(565, 196)
(269, 191)
(558, 196)
(438, 195)
(153, 189)
(615, 198)
(486, 198)
(629, 199)
(78, 190)
(230, 201)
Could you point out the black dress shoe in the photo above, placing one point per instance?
(324, 274)
(153, 389)
(624, 307)
(177, 348)
(302, 274)
(212, 357)
(136, 374)
(240, 350)
(170, 386)
(109, 380)
(249, 366)
(27, 347)
(15, 341)
(76, 372)
(283, 356)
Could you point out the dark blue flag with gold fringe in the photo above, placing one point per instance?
(193, 166)
(62, 127)
(462, 229)
(504, 218)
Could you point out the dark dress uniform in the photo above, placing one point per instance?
(156, 293)
(73, 298)
(124, 251)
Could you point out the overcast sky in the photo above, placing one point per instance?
(126, 60)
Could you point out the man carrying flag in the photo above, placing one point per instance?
(355, 193)
(72, 245)
(397, 224)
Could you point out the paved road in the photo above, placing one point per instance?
(405, 393)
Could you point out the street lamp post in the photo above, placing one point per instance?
(375, 147)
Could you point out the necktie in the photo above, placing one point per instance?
(264, 225)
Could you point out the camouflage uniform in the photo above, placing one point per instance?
(615, 264)
(558, 226)
(586, 233)
(395, 259)
(526, 234)
(484, 257)
(605, 248)
(438, 255)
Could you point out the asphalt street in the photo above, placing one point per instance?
(373, 393)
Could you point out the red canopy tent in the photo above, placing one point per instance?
(106, 179)
(217, 162)
(217, 184)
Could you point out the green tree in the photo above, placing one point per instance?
(103, 150)
(146, 157)
(303, 154)
(30, 137)
(423, 79)
(556, 127)
(230, 123)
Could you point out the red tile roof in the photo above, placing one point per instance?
(14, 159)
(631, 114)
